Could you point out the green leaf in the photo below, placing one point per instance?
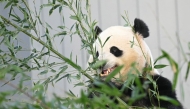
(71, 93)
(127, 23)
(105, 89)
(37, 62)
(113, 73)
(100, 41)
(65, 3)
(17, 19)
(73, 17)
(60, 9)
(99, 63)
(71, 56)
(52, 70)
(2, 73)
(45, 5)
(8, 4)
(61, 27)
(159, 66)
(168, 99)
(67, 75)
(63, 69)
(174, 67)
(57, 76)
(159, 58)
(106, 41)
(48, 25)
(132, 42)
(11, 68)
(173, 64)
(187, 72)
(43, 72)
(53, 8)
(79, 84)
(53, 1)
(61, 33)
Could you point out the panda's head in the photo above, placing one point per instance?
(125, 46)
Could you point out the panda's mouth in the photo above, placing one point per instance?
(106, 72)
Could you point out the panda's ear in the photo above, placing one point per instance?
(141, 28)
(97, 31)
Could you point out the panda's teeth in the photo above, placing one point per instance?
(109, 70)
(106, 72)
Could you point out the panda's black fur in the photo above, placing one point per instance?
(164, 86)
(141, 27)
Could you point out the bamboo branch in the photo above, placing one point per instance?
(71, 63)
(28, 95)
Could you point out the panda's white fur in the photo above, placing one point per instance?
(135, 50)
(126, 46)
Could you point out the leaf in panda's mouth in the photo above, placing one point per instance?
(108, 71)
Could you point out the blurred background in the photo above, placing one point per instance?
(168, 22)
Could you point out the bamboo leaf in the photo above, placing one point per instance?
(2, 73)
(174, 67)
(53, 1)
(125, 20)
(67, 75)
(48, 25)
(159, 66)
(57, 76)
(63, 69)
(98, 64)
(17, 19)
(37, 62)
(159, 58)
(52, 70)
(79, 84)
(61, 27)
(61, 33)
(45, 5)
(73, 17)
(8, 4)
(106, 41)
(187, 72)
(53, 8)
(43, 72)
(168, 99)
(71, 93)
(60, 9)
(113, 73)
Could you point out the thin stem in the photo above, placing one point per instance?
(135, 35)
(26, 4)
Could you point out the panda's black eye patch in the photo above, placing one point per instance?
(97, 54)
(116, 51)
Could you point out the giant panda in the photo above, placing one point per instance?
(125, 46)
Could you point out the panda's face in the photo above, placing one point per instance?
(119, 45)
